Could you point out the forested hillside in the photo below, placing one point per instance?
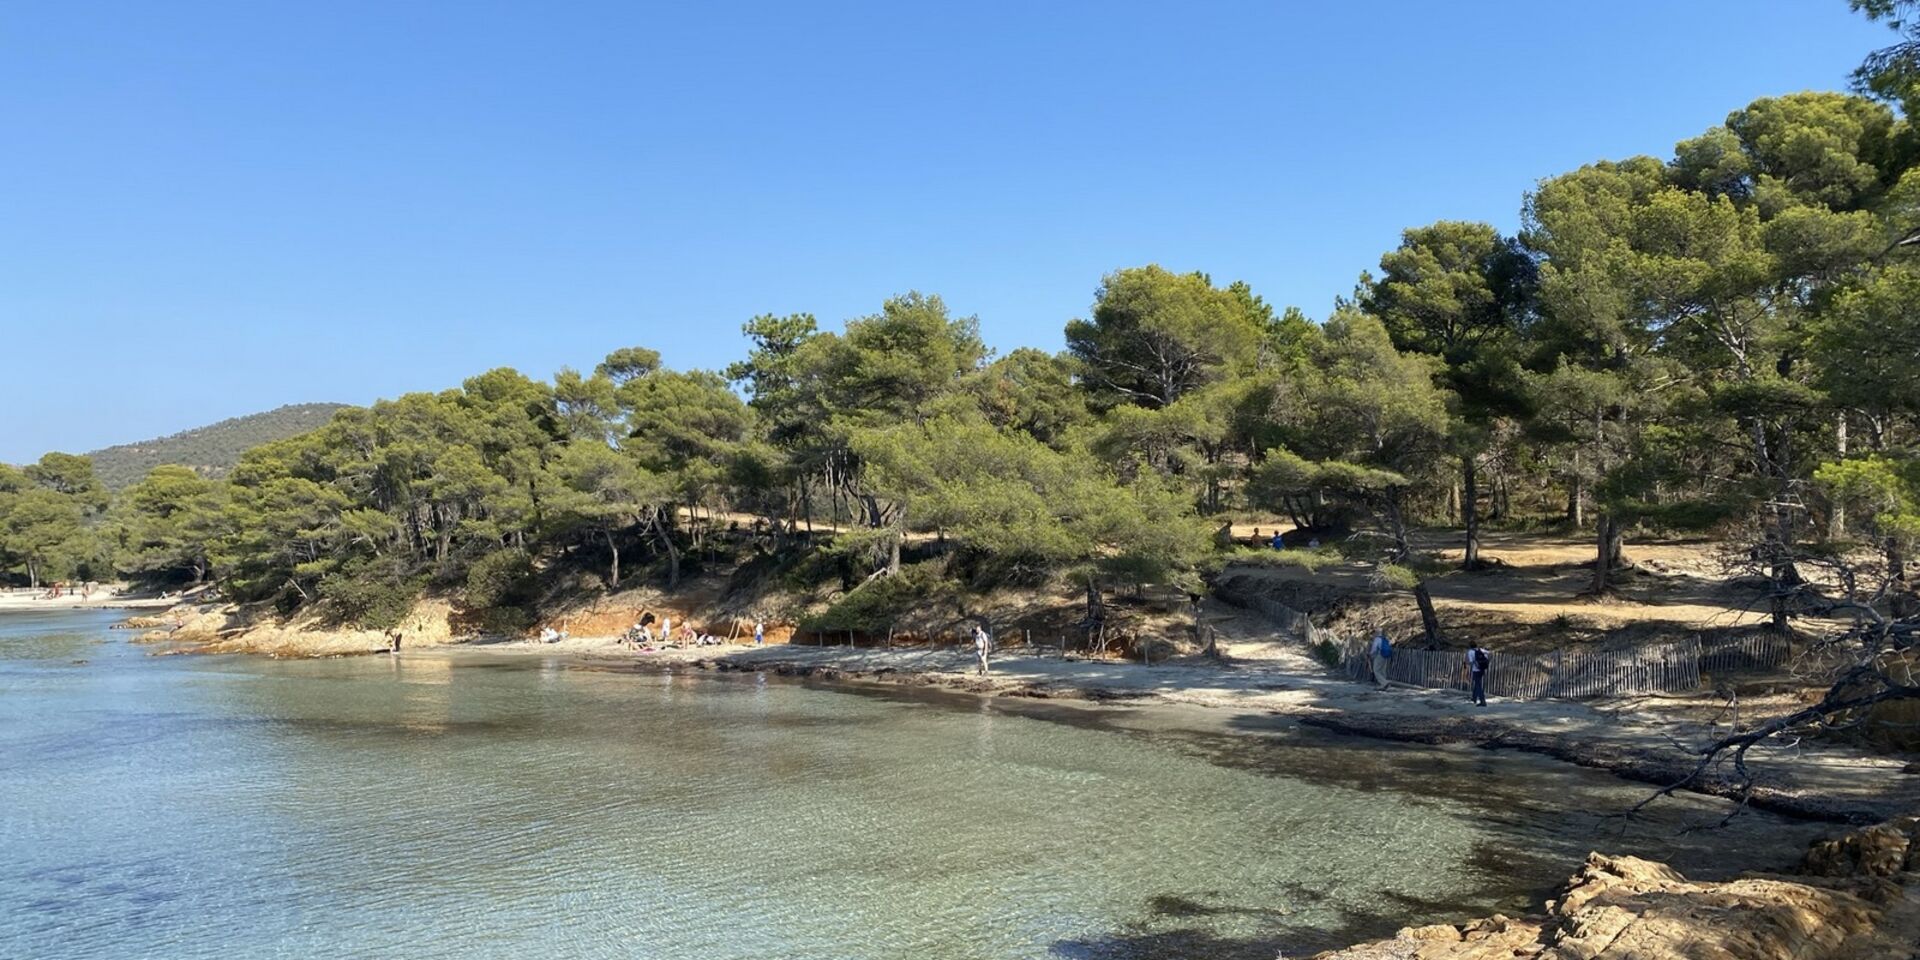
(211, 450)
(1722, 338)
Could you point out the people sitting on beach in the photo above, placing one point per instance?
(642, 640)
(549, 635)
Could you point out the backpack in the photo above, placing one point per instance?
(1384, 646)
(1481, 660)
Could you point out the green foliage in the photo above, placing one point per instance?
(49, 513)
(1300, 557)
(372, 596)
(171, 523)
(1394, 576)
(210, 451)
(1328, 653)
(1029, 391)
(918, 589)
(1885, 491)
(1008, 494)
(1349, 430)
(501, 589)
(503, 579)
(1156, 336)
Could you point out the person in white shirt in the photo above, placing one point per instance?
(1478, 660)
(982, 646)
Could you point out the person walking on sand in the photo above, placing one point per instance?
(1380, 651)
(982, 646)
(1478, 660)
(759, 633)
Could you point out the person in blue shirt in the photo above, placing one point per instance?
(1378, 653)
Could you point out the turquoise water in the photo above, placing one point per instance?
(483, 806)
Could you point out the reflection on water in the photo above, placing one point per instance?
(486, 807)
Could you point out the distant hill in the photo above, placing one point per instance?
(213, 449)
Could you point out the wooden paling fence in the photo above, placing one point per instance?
(1760, 651)
(1560, 674)
(1288, 619)
(1640, 669)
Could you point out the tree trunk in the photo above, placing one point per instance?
(1576, 510)
(1470, 509)
(613, 575)
(1429, 620)
(1607, 554)
(1397, 521)
(663, 529)
(1837, 515)
(33, 575)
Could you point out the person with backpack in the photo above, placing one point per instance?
(1379, 653)
(1478, 660)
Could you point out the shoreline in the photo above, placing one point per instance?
(31, 601)
(1824, 783)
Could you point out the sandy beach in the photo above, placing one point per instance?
(106, 597)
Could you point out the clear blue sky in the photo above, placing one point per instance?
(209, 209)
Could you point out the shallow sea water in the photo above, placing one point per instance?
(483, 806)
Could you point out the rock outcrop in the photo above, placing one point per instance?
(1854, 902)
(231, 628)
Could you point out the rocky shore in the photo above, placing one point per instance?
(1853, 898)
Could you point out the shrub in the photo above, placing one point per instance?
(368, 598)
(502, 579)
(1306, 559)
(879, 602)
(1394, 576)
(1327, 652)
